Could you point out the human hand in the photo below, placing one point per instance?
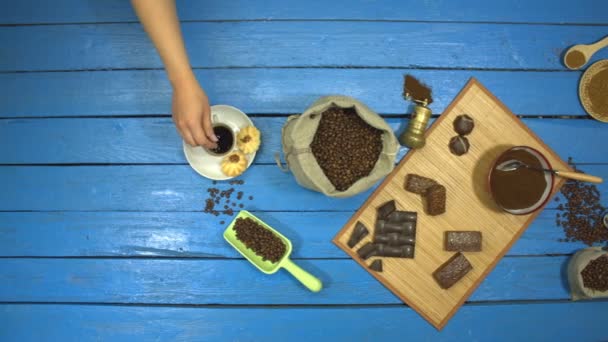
(192, 114)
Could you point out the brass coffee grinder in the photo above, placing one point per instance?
(420, 94)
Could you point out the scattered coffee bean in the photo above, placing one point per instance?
(345, 146)
(216, 196)
(250, 198)
(581, 216)
(259, 239)
(222, 222)
(595, 274)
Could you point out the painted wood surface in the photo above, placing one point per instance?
(155, 140)
(518, 11)
(583, 321)
(136, 233)
(165, 188)
(300, 44)
(236, 282)
(275, 91)
(195, 235)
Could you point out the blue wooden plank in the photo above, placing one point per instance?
(69, 11)
(583, 321)
(276, 91)
(300, 44)
(163, 188)
(155, 140)
(236, 282)
(194, 234)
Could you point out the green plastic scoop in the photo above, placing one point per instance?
(310, 281)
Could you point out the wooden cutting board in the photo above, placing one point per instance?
(469, 205)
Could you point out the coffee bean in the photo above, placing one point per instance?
(345, 146)
(259, 239)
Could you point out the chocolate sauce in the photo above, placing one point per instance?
(521, 188)
(225, 139)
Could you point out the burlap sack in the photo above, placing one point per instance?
(579, 261)
(300, 130)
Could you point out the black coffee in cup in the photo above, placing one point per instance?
(225, 139)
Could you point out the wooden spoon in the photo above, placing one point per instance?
(586, 50)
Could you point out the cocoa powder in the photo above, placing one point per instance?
(597, 92)
(575, 59)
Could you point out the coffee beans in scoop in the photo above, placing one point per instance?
(345, 146)
(259, 239)
(595, 274)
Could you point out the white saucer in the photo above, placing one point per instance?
(208, 165)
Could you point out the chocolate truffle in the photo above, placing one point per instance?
(452, 271)
(358, 233)
(376, 265)
(459, 145)
(464, 124)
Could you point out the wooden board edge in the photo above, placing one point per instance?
(440, 325)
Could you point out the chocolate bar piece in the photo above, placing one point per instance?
(368, 250)
(452, 271)
(463, 241)
(385, 227)
(435, 200)
(400, 216)
(405, 251)
(358, 233)
(386, 209)
(376, 265)
(395, 239)
(418, 184)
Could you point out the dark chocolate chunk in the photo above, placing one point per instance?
(405, 251)
(462, 241)
(385, 227)
(452, 271)
(435, 200)
(376, 265)
(358, 233)
(386, 209)
(459, 145)
(401, 216)
(418, 184)
(395, 239)
(464, 124)
(368, 250)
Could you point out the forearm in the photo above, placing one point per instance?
(159, 18)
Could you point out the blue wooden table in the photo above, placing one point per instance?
(102, 234)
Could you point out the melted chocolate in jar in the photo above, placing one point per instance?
(521, 188)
